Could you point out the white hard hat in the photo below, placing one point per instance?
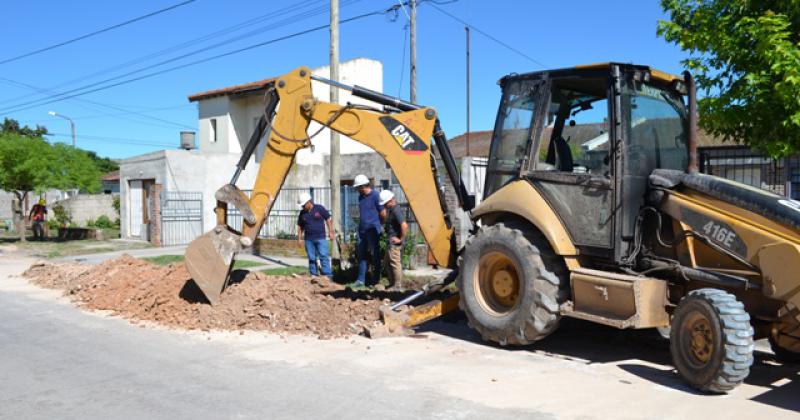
(303, 199)
(360, 180)
(386, 196)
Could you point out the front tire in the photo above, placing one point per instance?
(509, 293)
(711, 340)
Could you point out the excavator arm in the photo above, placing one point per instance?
(401, 133)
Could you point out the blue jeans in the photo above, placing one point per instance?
(318, 248)
(369, 248)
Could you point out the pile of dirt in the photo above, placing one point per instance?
(141, 291)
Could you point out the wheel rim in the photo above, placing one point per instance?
(699, 339)
(497, 280)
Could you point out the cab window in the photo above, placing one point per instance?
(576, 136)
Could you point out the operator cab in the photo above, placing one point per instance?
(587, 138)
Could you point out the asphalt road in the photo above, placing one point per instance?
(60, 363)
(57, 361)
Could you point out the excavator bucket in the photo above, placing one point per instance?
(209, 259)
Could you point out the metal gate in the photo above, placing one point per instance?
(741, 164)
(181, 217)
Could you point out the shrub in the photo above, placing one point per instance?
(62, 215)
(90, 223)
(53, 224)
(285, 235)
(103, 222)
(116, 204)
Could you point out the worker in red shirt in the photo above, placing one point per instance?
(38, 216)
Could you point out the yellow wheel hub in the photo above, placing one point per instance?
(702, 339)
(497, 280)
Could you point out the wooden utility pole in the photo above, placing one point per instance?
(335, 158)
(413, 32)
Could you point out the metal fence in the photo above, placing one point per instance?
(181, 217)
(282, 220)
(741, 164)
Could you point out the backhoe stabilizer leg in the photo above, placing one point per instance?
(401, 322)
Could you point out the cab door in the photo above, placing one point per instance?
(515, 129)
(573, 159)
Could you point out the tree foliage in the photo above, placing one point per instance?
(25, 163)
(745, 55)
(74, 169)
(32, 164)
(103, 163)
(11, 125)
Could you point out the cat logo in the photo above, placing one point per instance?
(408, 141)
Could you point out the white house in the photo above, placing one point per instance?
(227, 118)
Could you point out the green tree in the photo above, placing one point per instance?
(745, 55)
(73, 168)
(31, 164)
(25, 164)
(103, 163)
(11, 125)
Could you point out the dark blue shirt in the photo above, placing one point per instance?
(369, 209)
(313, 222)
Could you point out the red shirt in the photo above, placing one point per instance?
(38, 211)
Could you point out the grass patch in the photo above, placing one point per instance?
(285, 271)
(246, 263)
(164, 259)
(169, 259)
(51, 248)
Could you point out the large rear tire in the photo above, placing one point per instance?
(711, 340)
(510, 283)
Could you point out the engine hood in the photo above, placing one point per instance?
(776, 207)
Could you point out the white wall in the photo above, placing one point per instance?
(236, 117)
(360, 71)
(219, 109)
(147, 166)
(86, 207)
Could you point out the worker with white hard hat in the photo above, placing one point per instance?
(369, 231)
(396, 231)
(311, 223)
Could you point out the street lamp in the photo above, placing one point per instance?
(71, 124)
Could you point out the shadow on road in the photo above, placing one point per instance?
(640, 352)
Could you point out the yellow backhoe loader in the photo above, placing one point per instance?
(593, 208)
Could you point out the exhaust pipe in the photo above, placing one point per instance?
(693, 166)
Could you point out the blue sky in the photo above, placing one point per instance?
(148, 114)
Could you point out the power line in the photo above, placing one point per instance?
(100, 31)
(65, 94)
(484, 33)
(180, 46)
(101, 104)
(192, 63)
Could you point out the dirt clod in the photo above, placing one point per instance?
(141, 291)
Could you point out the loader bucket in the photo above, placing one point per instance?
(209, 259)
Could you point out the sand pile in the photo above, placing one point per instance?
(141, 291)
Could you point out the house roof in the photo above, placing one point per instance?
(111, 176)
(241, 89)
(480, 141)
